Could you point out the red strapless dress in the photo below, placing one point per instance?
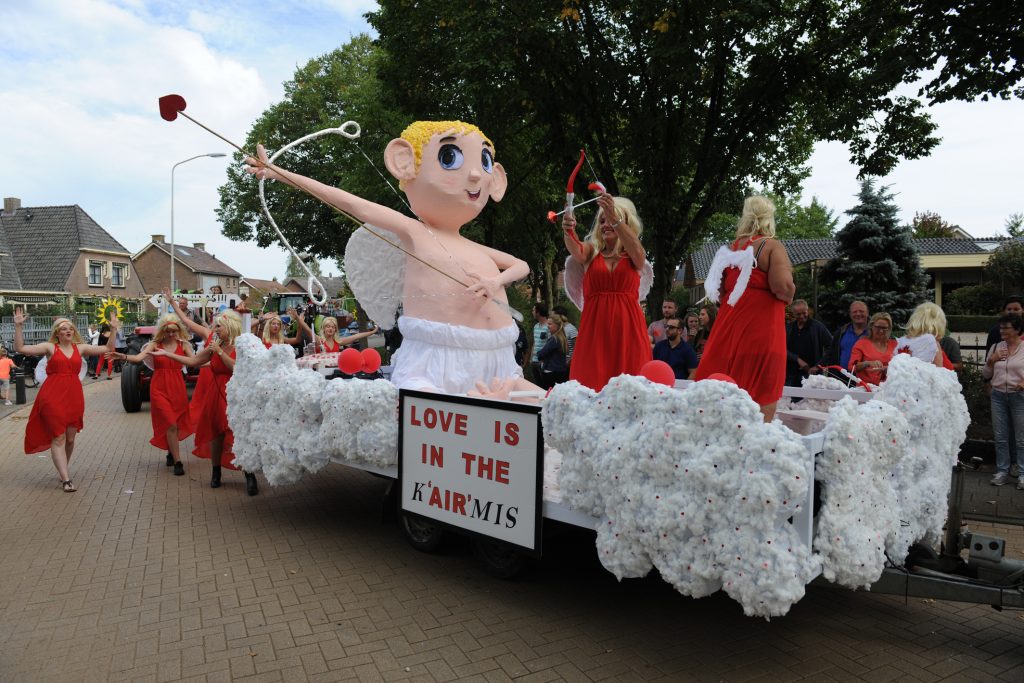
(748, 340)
(209, 412)
(168, 400)
(612, 337)
(59, 404)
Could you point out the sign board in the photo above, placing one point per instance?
(473, 464)
(197, 302)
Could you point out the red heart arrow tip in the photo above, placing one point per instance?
(551, 216)
(170, 105)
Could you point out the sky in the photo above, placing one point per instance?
(80, 79)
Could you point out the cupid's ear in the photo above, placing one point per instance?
(400, 159)
(500, 182)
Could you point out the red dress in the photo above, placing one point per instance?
(209, 412)
(748, 340)
(168, 400)
(332, 349)
(59, 404)
(612, 337)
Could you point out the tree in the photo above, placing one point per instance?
(676, 103)
(792, 221)
(1015, 225)
(294, 268)
(931, 224)
(1005, 268)
(876, 260)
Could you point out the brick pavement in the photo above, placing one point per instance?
(144, 576)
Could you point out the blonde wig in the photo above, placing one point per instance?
(927, 318)
(758, 218)
(337, 329)
(76, 338)
(161, 329)
(420, 133)
(625, 213)
(232, 324)
(268, 336)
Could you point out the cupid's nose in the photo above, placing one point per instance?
(475, 173)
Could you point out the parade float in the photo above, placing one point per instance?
(687, 478)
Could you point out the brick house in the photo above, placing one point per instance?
(194, 268)
(60, 256)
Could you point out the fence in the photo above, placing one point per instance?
(37, 329)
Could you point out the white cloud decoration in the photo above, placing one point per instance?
(691, 482)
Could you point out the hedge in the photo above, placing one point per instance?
(970, 323)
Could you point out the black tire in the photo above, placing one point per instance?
(421, 533)
(30, 378)
(500, 560)
(131, 389)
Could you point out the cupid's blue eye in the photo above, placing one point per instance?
(450, 157)
(487, 160)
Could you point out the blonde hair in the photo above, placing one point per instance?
(758, 218)
(881, 316)
(75, 338)
(266, 331)
(160, 334)
(420, 133)
(927, 318)
(625, 213)
(337, 328)
(232, 324)
(559, 334)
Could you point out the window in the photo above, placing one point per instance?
(118, 275)
(95, 273)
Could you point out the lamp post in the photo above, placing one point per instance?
(198, 156)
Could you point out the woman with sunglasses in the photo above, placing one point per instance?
(168, 400)
(870, 356)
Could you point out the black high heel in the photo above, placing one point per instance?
(251, 486)
(215, 479)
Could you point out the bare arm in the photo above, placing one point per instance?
(627, 238)
(137, 358)
(352, 338)
(202, 331)
(579, 251)
(188, 358)
(43, 349)
(780, 272)
(362, 209)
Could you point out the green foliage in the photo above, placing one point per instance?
(978, 403)
(792, 220)
(983, 299)
(1015, 225)
(295, 269)
(1005, 269)
(677, 106)
(876, 260)
(931, 224)
(970, 323)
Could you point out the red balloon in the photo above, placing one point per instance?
(659, 371)
(371, 360)
(721, 377)
(350, 361)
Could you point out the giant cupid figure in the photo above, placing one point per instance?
(455, 336)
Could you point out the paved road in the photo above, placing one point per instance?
(144, 576)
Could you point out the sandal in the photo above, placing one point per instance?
(68, 486)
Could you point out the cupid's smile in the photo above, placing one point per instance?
(473, 195)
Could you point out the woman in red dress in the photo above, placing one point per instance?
(870, 356)
(331, 341)
(612, 337)
(748, 340)
(60, 404)
(210, 410)
(168, 399)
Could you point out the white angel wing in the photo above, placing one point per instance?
(646, 280)
(573, 281)
(727, 258)
(376, 274)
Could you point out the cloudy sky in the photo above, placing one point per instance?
(79, 82)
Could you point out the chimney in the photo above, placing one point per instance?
(159, 239)
(11, 204)
(201, 246)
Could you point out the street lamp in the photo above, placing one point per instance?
(198, 156)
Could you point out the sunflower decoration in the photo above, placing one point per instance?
(109, 305)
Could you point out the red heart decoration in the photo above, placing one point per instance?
(170, 105)
(551, 216)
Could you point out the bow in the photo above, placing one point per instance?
(595, 186)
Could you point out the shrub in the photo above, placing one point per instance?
(978, 404)
(973, 300)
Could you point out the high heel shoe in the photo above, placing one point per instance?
(251, 486)
(215, 479)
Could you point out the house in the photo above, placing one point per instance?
(949, 262)
(335, 286)
(257, 290)
(194, 268)
(60, 256)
